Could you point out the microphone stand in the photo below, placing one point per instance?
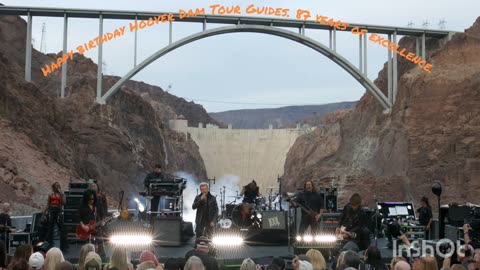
(376, 219)
(279, 180)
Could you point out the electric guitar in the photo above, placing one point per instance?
(309, 212)
(343, 234)
(84, 235)
(123, 210)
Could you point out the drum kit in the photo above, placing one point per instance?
(246, 216)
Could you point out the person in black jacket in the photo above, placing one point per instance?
(354, 220)
(312, 208)
(425, 216)
(154, 177)
(207, 211)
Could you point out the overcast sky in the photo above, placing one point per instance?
(244, 70)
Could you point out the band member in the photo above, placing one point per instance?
(101, 204)
(154, 177)
(54, 212)
(5, 222)
(207, 211)
(425, 216)
(355, 222)
(88, 212)
(250, 192)
(312, 207)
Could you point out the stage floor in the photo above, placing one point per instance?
(226, 255)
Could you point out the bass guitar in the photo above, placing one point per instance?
(85, 235)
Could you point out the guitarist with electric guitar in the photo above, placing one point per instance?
(89, 221)
(353, 226)
(311, 203)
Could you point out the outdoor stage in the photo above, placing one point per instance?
(260, 252)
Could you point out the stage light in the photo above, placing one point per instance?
(298, 238)
(325, 238)
(259, 216)
(141, 207)
(227, 240)
(379, 207)
(131, 240)
(308, 238)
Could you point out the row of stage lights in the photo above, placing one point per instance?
(326, 238)
(138, 240)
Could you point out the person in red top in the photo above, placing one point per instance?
(55, 203)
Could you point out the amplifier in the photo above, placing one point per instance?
(71, 216)
(78, 186)
(17, 239)
(167, 231)
(414, 232)
(70, 229)
(73, 201)
(274, 220)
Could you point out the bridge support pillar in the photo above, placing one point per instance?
(100, 62)
(389, 72)
(28, 50)
(424, 56)
(360, 53)
(64, 65)
(135, 45)
(365, 55)
(394, 72)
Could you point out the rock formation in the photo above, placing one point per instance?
(46, 139)
(431, 134)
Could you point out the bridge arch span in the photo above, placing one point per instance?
(311, 43)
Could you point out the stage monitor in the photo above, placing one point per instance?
(397, 209)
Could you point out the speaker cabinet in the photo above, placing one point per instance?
(17, 239)
(274, 220)
(167, 231)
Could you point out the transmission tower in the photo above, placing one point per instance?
(425, 24)
(442, 24)
(43, 43)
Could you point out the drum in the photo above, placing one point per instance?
(261, 203)
(242, 216)
(229, 209)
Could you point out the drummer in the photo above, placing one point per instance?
(250, 192)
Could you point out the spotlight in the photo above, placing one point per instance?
(259, 216)
(43, 246)
(379, 207)
(227, 240)
(298, 238)
(141, 207)
(131, 240)
(308, 238)
(325, 238)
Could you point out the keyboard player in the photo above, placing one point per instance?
(156, 176)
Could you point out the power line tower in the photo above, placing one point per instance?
(410, 24)
(43, 43)
(425, 24)
(442, 24)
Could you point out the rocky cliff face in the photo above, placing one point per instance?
(117, 143)
(431, 134)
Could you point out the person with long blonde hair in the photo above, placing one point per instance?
(427, 262)
(83, 253)
(317, 259)
(119, 260)
(53, 257)
(248, 264)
